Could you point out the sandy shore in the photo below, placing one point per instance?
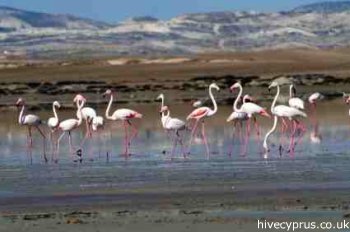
(193, 211)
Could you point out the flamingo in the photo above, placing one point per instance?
(313, 99)
(295, 102)
(68, 125)
(250, 109)
(87, 113)
(125, 115)
(53, 122)
(238, 117)
(315, 136)
(30, 120)
(200, 113)
(175, 125)
(284, 111)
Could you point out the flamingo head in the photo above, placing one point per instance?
(347, 101)
(79, 98)
(108, 92)
(161, 96)
(196, 103)
(20, 102)
(273, 84)
(215, 86)
(163, 109)
(235, 86)
(57, 104)
(248, 98)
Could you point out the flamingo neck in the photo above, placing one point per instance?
(275, 119)
(162, 98)
(290, 91)
(109, 108)
(79, 114)
(237, 99)
(20, 117)
(213, 100)
(54, 111)
(275, 99)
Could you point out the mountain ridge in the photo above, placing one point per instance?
(42, 34)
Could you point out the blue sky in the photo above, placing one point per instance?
(117, 10)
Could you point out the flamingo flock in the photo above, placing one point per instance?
(244, 113)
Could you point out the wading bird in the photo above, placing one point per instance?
(238, 118)
(251, 109)
(53, 123)
(68, 125)
(288, 112)
(125, 115)
(87, 113)
(175, 125)
(200, 114)
(30, 121)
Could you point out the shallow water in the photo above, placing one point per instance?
(149, 169)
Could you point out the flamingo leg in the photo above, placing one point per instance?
(302, 128)
(284, 128)
(126, 145)
(52, 145)
(241, 132)
(181, 143)
(134, 132)
(30, 144)
(192, 135)
(70, 144)
(58, 145)
(44, 142)
(244, 148)
(257, 128)
(174, 145)
(205, 140)
(234, 131)
(291, 145)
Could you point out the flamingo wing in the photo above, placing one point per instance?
(251, 108)
(286, 111)
(31, 119)
(237, 116)
(52, 122)
(68, 124)
(124, 114)
(198, 113)
(175, 124)
(296, 102)
(88, 112)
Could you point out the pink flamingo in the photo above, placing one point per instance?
(30, 120)
(200, 113)
(125, 115)
(68, 125)
(295, 102)
(284, 111)
(173, 124)
(250, 109)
